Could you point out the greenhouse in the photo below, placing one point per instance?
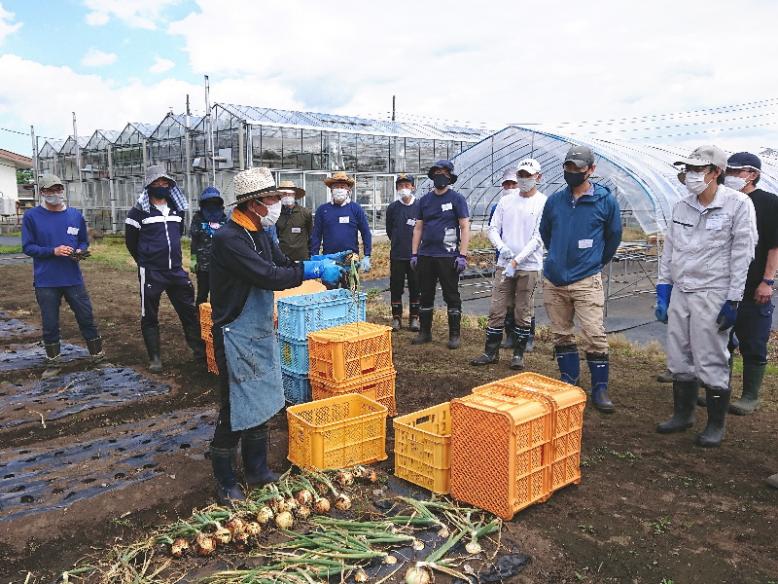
(641, 176)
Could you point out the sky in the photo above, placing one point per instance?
(491, 63)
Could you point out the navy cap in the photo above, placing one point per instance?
(743, 160)
(446, 165)
(405, 178)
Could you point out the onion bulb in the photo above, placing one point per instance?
(284, 520)
(360, 472)
(372, 476)
(291, 504)
(322, 489)
(473, 548)
(345, 478)
(303, 511)
(418, 545)
(418, 575)
(360, 575)
(321, 506)
(390, 560)
(443, 532)
(264, 515)
(222, 535)
(278, 505)
(179, 547)
(205, 544)
(304, 497)
(343, 502)
(253, 529)
(236, 526)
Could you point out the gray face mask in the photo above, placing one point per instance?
(54, 200)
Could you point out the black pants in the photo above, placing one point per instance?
(399, 271)
(223, 435)
(752, 328)
(433, 270)
(178, 287)
(203, 287)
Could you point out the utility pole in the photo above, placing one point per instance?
(188, 111)
(210, 128)
(394, 98)
(34, 162)
(82, 202)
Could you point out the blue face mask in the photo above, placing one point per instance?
(158, 192)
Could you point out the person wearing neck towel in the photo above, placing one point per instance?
(153, 231)
(337, 224)
(246, 267)
(400, 221)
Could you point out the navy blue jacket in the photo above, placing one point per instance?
(580, 236)
(336, 227)
(400, 221)
(153, 240)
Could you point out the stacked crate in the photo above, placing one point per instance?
(206, 333)
(353, 358)
(298, 316)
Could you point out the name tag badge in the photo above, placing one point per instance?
(296, 230)
(215, 225)
(585, 243)
(73, 230)
(411, 222)
(715, 222)
(446, 207)
(344, 219)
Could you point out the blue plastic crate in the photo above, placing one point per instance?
(294, 355)
(300, 315)
(297, 388)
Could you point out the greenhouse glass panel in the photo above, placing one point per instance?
(291, 145)
(311, 158)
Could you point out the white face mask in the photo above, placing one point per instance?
(273, 213)
(339, 196)
(735, 182)
(695, 183)
(54, 200)
(405, 193)
(288, 200)
(527, 184)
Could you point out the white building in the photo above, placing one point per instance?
(9, 163)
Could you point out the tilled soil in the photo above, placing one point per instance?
(649, 509)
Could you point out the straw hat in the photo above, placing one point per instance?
(339, 176)
(288, 185)
(254, 183)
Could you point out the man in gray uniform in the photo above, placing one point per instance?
(709, 245)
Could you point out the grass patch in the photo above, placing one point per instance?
(10, 249)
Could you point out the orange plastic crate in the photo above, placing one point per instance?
(342, 353)
(569, 403)
(376, 386)
(337, 432)
(206, 321)
(210, 357)
(500, 451)
(422, 444)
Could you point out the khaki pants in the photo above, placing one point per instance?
(518, 292)
(582, 301)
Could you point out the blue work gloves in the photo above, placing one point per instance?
(727, 315)
(332, 274)
(414, 261)
(460, 263)
(339, 257)
(663, 292)
(313, 269)
(364, 265)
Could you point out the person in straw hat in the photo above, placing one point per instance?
(246, 267)
(295, 224)
(153, 231)
(337, 224)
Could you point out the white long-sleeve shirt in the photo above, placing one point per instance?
(515, 225)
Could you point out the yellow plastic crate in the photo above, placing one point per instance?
(206, 321)
(569, 403)
(210, 357)
(422, 442)
(500, 451)
(341, 353)
(337, 432)
(379, 387)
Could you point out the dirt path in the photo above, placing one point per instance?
(650, 509)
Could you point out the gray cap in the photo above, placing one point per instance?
(49, 180)
(580, 156)
(156, 171)
(705, 155)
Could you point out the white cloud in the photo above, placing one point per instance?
(97, 58)
(147, 14)
(161, 65)
(7, 24)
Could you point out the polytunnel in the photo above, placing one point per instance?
(641, 176)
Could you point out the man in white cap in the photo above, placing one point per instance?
(246, 267)
(153, 231)
(514, 232)
(55, 237)
(709, 244)
(295, 225)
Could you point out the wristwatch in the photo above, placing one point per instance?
(768, 282)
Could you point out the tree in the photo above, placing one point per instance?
(23, 177)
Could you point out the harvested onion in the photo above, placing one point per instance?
(236, 526)
(179, 547)
(321, 506)
(278, 505)
(372, 476)
(291, 504)
(345, 478)
(418, 545)
(284, 520)
(304, 497)
(360, 575)
(418, 575)
(205, 544)
(343, 502)
(253, 529)
(473, 548)
(390, 560)
(303, 512)
(264, 515)
(222, 535)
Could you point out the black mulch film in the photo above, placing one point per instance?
(39, 402)
(35, 480)
(33, 355)
(13, 328)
